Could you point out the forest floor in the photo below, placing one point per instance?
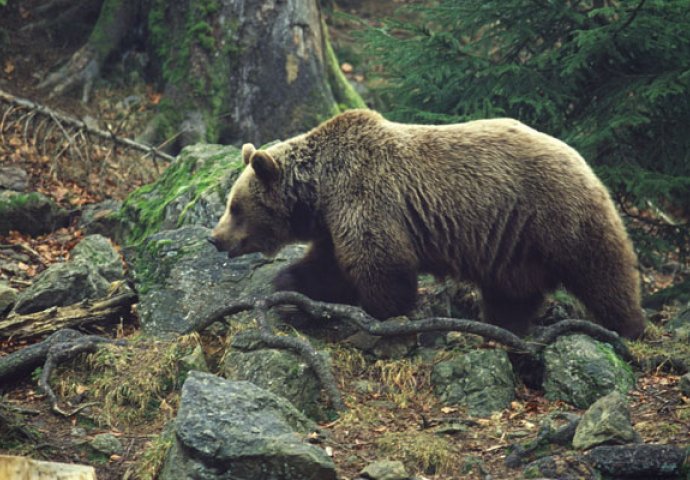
(390, 423)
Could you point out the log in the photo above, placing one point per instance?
(101, 311)
(23, 468)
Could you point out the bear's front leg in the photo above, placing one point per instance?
(317, 276)
(384, 273)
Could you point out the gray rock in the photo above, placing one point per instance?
(607, 421)
(684, 384)
(94, 264)
(180, 277)
(639, 461)
(13, 178)
(562, 467)
(482, 380)
(30, 213)
(98, 251)
(62, 284)
(102, 218)
(8, 296)
(238, 431)
(107, 443)
(385, 470)
(279, 371)
(580, 370)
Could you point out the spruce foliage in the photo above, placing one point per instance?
(609, 77)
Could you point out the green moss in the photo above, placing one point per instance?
(102, 36)
(344, 93)
(10, 203)
(626, 380)
(214, 49)
(145, 208)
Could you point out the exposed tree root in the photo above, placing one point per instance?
(66, 343)
(82, 69)
(58, 347)
(361, 320)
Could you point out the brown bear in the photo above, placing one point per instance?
(493, 202)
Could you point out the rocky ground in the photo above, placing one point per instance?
(445, 406)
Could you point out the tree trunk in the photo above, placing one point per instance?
(233, 71)
(244, 71)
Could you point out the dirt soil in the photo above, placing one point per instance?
(394, 420)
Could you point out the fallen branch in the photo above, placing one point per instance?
(62, 119)
(363, 321)
(104, 310)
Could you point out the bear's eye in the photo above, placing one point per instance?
(235, 209)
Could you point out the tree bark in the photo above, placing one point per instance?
(244, 71)
(233, 71)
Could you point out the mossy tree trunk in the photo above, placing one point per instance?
(232, 71)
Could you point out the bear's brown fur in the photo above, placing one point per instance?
(494, 202)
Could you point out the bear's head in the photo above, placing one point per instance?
(256, 218)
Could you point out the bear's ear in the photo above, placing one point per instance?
(247, 150)
(264, 166)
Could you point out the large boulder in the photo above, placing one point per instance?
(181, 277)
(191, 191)
(236, 430)
(579, 370)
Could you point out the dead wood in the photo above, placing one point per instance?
(63, 120)
(88, 312)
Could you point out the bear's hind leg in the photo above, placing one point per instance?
(606, 281)
(505, 311)
(317, 276)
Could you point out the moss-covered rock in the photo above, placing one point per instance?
(579, 370)
(482, 380)
(30, 213)
(179, 276)
(606, 421)
(191, 191)
(87, 275)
